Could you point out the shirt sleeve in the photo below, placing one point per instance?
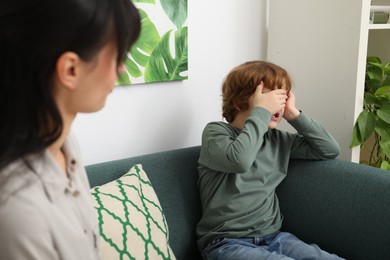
(24, 238)
(312, 140)
(223, 150)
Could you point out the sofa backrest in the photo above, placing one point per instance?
(173, 175)
(342, 206)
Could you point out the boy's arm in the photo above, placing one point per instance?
(228, 151)
(312, 141)
(225, 151)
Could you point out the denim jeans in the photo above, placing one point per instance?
(279, 245)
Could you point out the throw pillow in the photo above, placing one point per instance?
(131, 221)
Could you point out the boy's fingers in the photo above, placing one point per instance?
(281, 91)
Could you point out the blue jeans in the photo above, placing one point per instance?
(279, 245)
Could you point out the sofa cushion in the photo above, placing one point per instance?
(132, 224)
(174, 175)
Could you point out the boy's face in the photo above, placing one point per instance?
(276, 118)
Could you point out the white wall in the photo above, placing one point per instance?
(147, 118)
(324, 48)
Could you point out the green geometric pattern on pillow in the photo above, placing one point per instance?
(131, 221)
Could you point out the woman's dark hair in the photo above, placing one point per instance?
(33, 35)
(242, 81)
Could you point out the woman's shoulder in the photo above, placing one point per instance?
(14, 178)
(18, 209)
(21, 225)
(19, 187)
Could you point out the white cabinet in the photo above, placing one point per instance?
(324, 45)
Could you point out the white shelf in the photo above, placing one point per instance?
(380, 8)
(379, 26)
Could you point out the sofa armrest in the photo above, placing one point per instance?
(343, 207)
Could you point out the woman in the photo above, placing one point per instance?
(58, 58)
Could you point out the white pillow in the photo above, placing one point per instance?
(131, 221)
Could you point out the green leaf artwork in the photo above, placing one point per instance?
(161, 52)
(162, 65)
(176, 11)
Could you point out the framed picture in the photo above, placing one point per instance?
(161, 52)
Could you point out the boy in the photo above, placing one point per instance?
(243, 161)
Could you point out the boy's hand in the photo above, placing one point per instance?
(290, 111)
(273, 101)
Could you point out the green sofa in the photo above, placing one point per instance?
(342, 206)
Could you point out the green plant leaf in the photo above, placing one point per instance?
(386, 81)
(147, 41)
(366, 124)
(382, 129)
(162, 66)
(176, 11)
(371, 85)
(131, 69)
(373, 71)
(384, 113)
(145, 1)
(356, 137)
(140, 50)
(123, 79)
(369, 99)
(376, 113)
(386, 69)
(382, 101)
(385, 165)
(385, 90)
(385, 146)
(373, 60)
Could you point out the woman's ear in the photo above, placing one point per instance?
(67, 69)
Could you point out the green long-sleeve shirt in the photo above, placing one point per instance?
(239, 170)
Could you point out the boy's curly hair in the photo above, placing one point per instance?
(242, 81)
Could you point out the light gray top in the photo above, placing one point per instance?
(45, 215)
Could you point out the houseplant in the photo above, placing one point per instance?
(372, 127)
